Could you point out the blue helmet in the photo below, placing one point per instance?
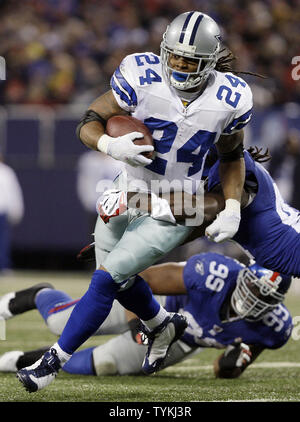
(258, 291)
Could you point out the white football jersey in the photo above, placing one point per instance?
(182, 135)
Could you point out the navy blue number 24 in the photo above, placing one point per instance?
(192, 151)
(231, 98)
(150, 74)
(200, 141)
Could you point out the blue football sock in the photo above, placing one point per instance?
(90, 312)
(47, 300)
(81, 363)
(139, 300)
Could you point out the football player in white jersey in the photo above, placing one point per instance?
(188, 106)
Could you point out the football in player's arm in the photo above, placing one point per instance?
(189, 98)
(91, 131)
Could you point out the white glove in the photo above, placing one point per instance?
(227, 222)
(122, 148)
(160, 209)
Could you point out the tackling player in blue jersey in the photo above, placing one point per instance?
(269, 228)
(190, 102)
(227, 305)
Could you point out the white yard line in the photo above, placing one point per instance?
(272, 365)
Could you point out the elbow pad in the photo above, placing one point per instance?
(89, 116)
(233, 155)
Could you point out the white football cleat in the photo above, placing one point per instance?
(4, 303)
(8, 361)
(41, 373)
(160, 341)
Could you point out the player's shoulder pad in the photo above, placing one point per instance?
(132, 73)
(138, 67)
(200, 266)
(235, 82)
(236, 96)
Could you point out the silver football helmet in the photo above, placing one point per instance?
(196, 36)
(258, 291)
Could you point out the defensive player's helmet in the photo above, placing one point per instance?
(193, 35)
(258, 291)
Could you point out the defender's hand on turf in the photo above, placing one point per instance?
(237, 355)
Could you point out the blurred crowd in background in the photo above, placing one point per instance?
(63, 53)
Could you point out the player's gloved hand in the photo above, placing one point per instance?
(236, 355)
(137, 335)
(160, 209)
(123, 148)
(227, 222)
(111, 203)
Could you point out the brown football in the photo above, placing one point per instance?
(121, 125)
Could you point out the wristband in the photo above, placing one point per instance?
(103, 142)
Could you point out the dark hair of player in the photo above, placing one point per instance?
(258, 156)
(224, 64)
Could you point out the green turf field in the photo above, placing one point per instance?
(275, 376)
